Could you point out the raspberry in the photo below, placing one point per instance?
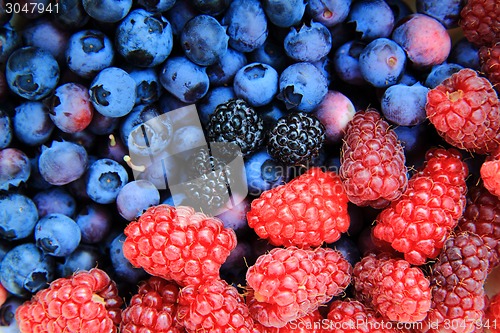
(288, 283)
(372, 161)
(213, 306)
(465, 111)
(490, 63)
(396, 290)
(457, 283)
(153, 308)
(310, 323)
(351, 316)
(178, 244)
(482, 217)
(492, 314)
(88, 301)
(490, 173)
(480, 22)
(418, 223)
(305, 212)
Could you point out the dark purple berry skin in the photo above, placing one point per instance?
(62, 162)
(84, 258)
(224, 69)
(15, 168)
(95, 223)
(32, 124)
(345, 62)
(109, 11)
(445, 11)
(123, 269)
(271, 53)
(441, 72)
(466, 54)
(284, 13)
(35, 35)
(6, 132)
(55, 200)
(348, 248)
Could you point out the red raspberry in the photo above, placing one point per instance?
(351, 316)
(310, 323)
(213, 306)
(490, 63)
(418, 223)
(490, 173)
(492, 314)
(372, 161)
(457, 282)
(465, 111)
(153, 308)
(482, 217)
(179, 244)
(396, 290)
(86, 302)
(305, 212)
(480, 22)
(288, 283)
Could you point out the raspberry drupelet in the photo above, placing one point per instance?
(480, 22)
(490, 173)
(489, 58)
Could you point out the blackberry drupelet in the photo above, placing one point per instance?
(235, 121)
(296, 139)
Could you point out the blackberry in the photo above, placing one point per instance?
(296, 139)
(235, 121)
(208, 185)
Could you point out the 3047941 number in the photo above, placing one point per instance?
(31, 8)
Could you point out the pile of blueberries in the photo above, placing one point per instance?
(78, 77)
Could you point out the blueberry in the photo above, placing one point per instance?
(36, 180)
(15, 168)
(309, 43)
(441, 72)
(13, 224)
(83, 258)
(284, 13)
(71, 109)
(95, 223)
(465, 53)
(270, 53)
(329, 12)
(122, 267)
(256, 83)
(348, 248)
(32, 73)
(148, 87)
(10, 40)
(105, 178)
(373, 19)
(302, 87)
(25, 270)
(224, 69)
(212, 99)
(57, 235)
(211, 7)
(270, 114)
(112, 92)
(204, 40)
(5, 130)
(71, 14)
(179, 14)
(143, 39)
(445, 11)
(89, 52)
(345, 62)
(156, 6)
(400, 9)
(405, 105)
(113, 149)
(262, 173)
(109, 11)
(55, 200)
(103, 125)
(62, 162)
(425, 40)
(135, 197)
(246, 25)
(32, 124)
(184, 79)
(36, 35)
(382, 62)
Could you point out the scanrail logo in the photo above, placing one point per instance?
(170, 150)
